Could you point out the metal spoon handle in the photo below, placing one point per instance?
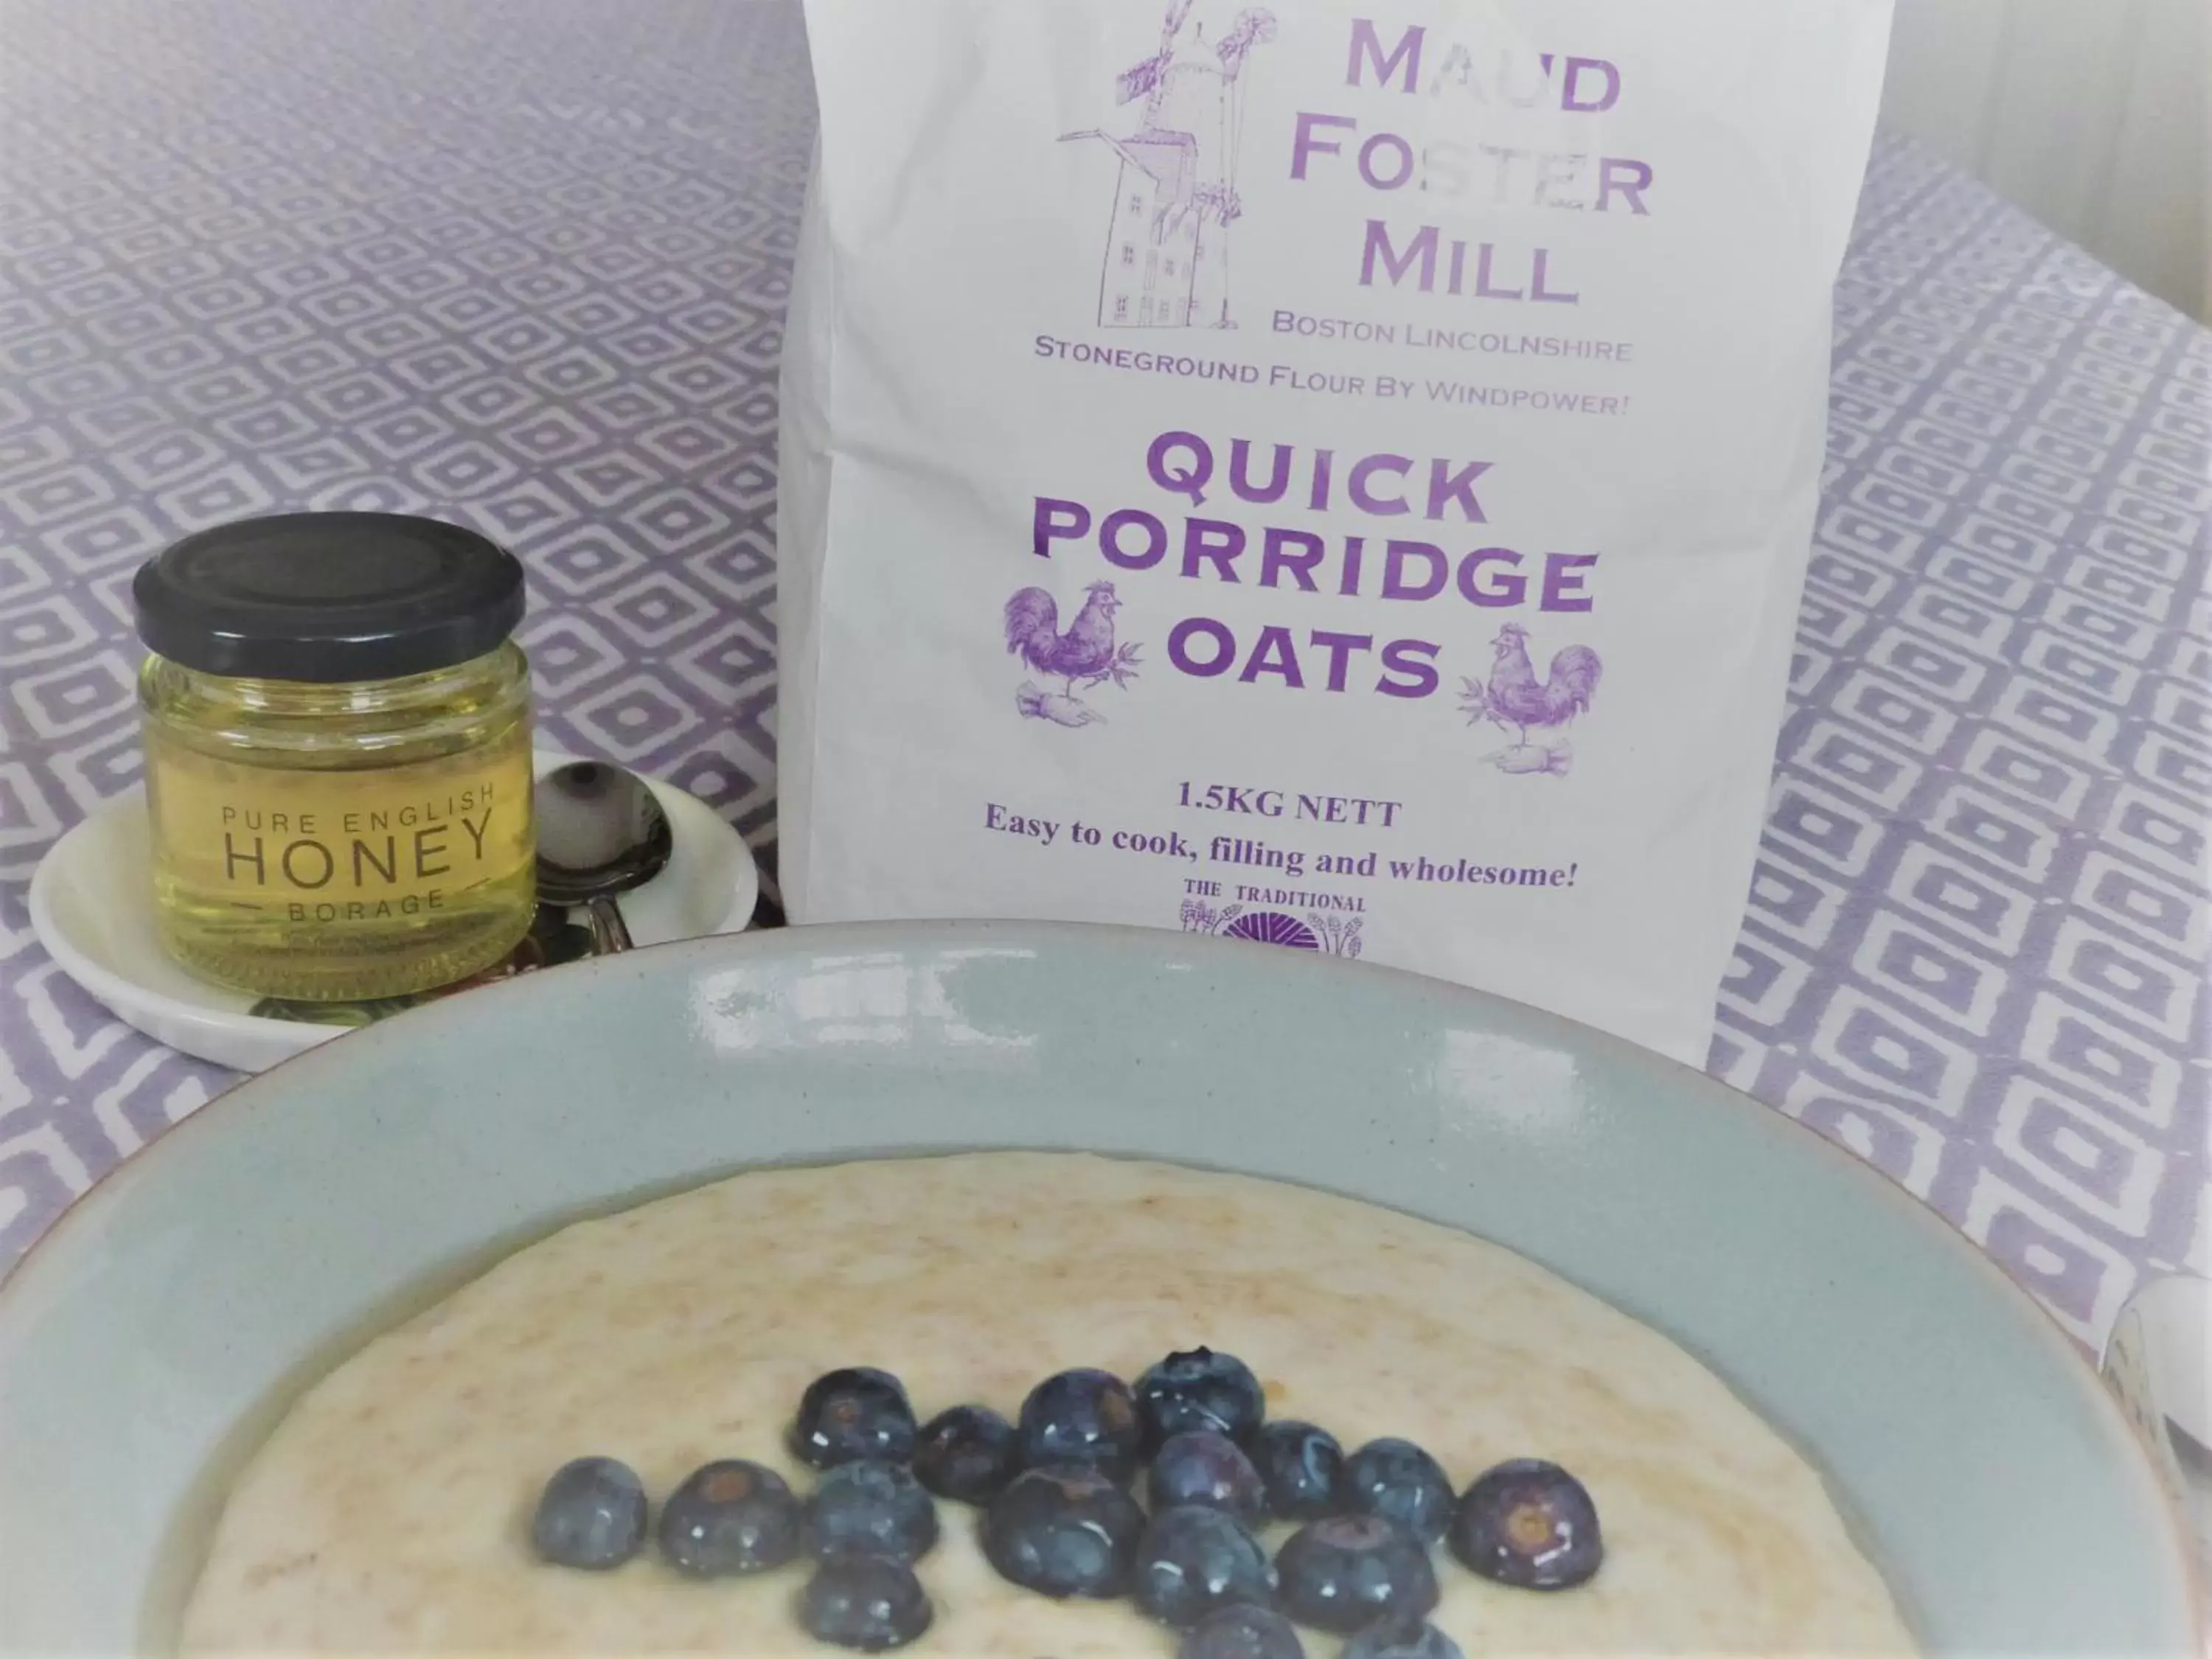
(2132, 1370)
(610, 934)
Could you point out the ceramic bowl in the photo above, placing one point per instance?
(146, 1343)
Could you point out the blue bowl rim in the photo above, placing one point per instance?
(929, 933)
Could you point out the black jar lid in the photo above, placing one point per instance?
(325, 597)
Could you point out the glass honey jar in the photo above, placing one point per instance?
(338, 770)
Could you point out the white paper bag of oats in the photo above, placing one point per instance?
(1328, 474)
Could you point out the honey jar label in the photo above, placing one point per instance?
(339, 846)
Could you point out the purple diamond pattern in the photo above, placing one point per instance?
(1986, 862)
(320, 266)
(324, 263)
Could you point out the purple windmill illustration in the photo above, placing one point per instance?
(1166, 264)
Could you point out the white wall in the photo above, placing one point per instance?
(2095, 114)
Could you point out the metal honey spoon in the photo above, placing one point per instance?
(600, 833)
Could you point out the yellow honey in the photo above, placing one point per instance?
(337, 755)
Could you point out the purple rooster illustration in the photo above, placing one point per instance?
(1515, 700)
(1086, 655)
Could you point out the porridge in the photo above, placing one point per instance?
(403, 1505)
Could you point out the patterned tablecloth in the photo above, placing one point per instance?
(523, 263)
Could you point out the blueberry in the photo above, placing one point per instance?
(1193, 1560)
(864, 1602)
(852, 1413)
(1344, 1573)
(1207, 1468)
(968, 1455)
(1062, 1531)
(1082, 1417)
(1399, 1481)
(1395, 1638)
(1241, 1631)
(591, 1516)
(869, 1508)
(1199, 1389)
(1302, 1468)
(1530, 1524)
(730, 1518)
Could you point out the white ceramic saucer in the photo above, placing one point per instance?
(92, 907)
